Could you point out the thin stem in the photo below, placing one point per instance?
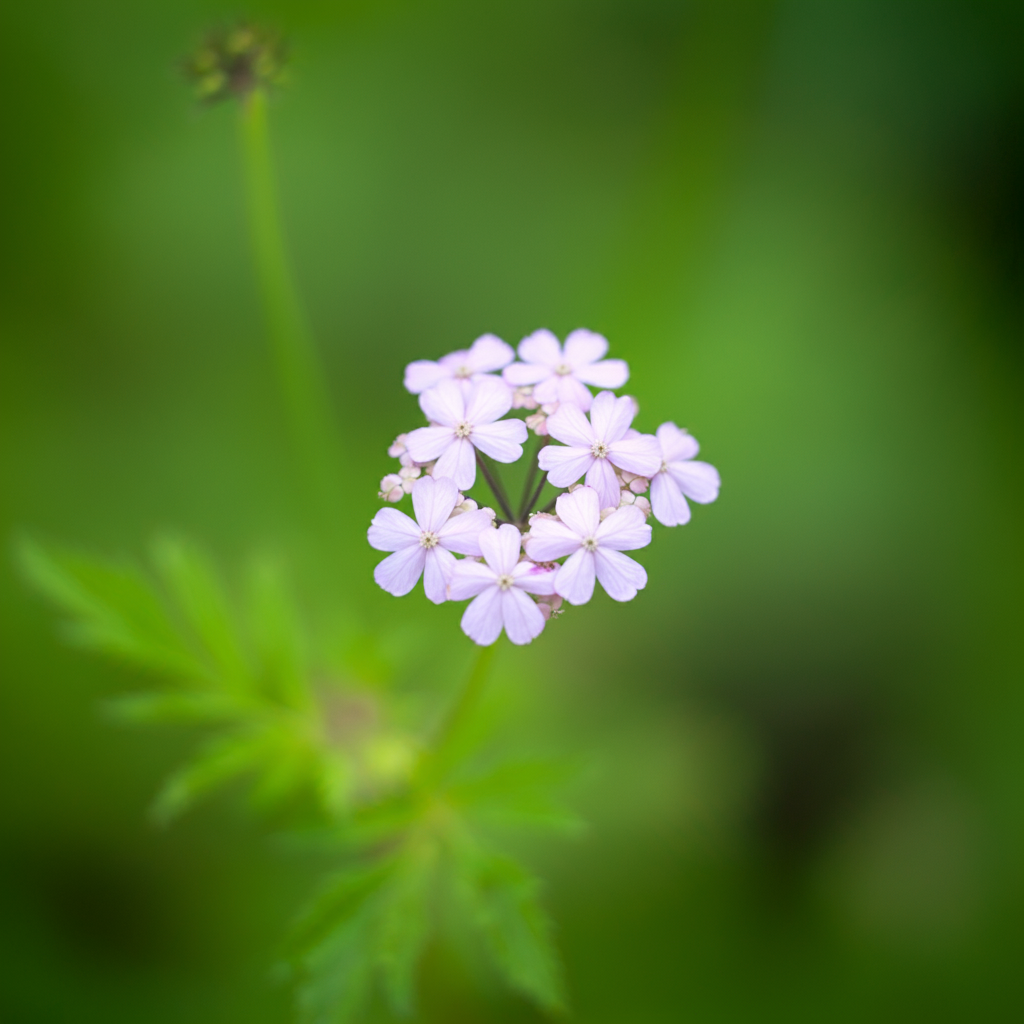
(536, 494)
(496, 489)
(300, 376)
(531, 476)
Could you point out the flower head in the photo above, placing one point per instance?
(598, 446)
(562, 375)
(486, 355)
(424, 546)
(680, 475)
(594, 546)
(235, 61)
(464, 420)
(499, 587)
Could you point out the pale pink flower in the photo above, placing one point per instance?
(594, 547)
(391, 488)
(563, 375)
(424, 546)
(464, 420)
(596, 447)
(499, 586)
(680, 475)
(487, 354)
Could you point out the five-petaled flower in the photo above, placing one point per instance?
(464, 420)
(486, 355)
(594, 546)
(596, 447)
(563, 375)
(424, 546)
(680, 475)
(499, 587)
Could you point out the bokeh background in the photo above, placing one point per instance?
(800, 223)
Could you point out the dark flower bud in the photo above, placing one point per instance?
(235, 61)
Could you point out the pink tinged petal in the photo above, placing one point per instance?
(575, 580)
(398, 573)
(489, 399)
(583, 347)
(457, 461)
(437, 572)
(423, 374)
(535, 579)
(609, 373)
(433, 498)
(482, 620)
(550, 539)
(667, 501)
(501, 548)
(568, 425)
(489, 353)
(428, 443)
(602, 478)
(580, 511)
(518, 375)
(455, 361)
(469, 579)
(699, 481)
(611, 416)
(640, 455)
(676, 444)
(392, 530)
(620, 576)
(565, 466)
(541, 347)
(626, 529)
(547, 390)
(503, 440)
(523, 619)
(444, 403)
(461, 534)
(572, 392)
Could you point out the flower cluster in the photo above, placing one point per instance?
(518, 568)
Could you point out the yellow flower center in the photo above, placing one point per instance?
(428, 539)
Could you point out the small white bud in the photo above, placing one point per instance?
(625, 476)
(626, 497)
(538, 423)
(397, 448)
(409, 472)
(606, 512)
(522, 398)
(639, 484)
(549, 407)
(644, 505)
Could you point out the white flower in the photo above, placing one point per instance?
(464, 419)
(597, 447)
(594, 547)
(563, 376)
(425, 546)
(679, 475)
(485, 355)
(499, 586)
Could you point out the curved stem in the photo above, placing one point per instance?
(524, 505)
(496, 488)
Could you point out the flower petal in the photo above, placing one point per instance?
(470, 578)
(398, 573)
(575, 580)
(523, 619)
(535, 579)
(620, 576)
(501, 548)
(518, 375)
(583, 347)
(699, 481)
(457, 461)
(541, 347)
(444, 403)
(423, 374)
(489, 353)
(437, 572)
(550, 539)
(609, 373)
(482, 620)
(676, 444)
(611, 416)
(503, 440)
(667, 501)
(602, 478)
(626, 529)
(425, 444)
(461, 533)
(580, 511)
(489, 399)
(564, 466)
(568, 425)
(570, 392)
(641, 455)
(433, 498)
(547, 390)
(392, 530)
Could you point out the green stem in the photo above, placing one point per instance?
(496, 489)
(300, 376)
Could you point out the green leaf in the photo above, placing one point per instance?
(176, 707)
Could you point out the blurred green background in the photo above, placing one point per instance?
(800, 223)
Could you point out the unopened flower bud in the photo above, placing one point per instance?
(235, 62)
(549, 408)
(626, 497)
(410, 472)
(575, 487)
(391, 488)
(644, 505)
(397, 448)
(550, 607)
(606, 512)
(465, 505)
(538, 423)
(522, 398)
(639, 484)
